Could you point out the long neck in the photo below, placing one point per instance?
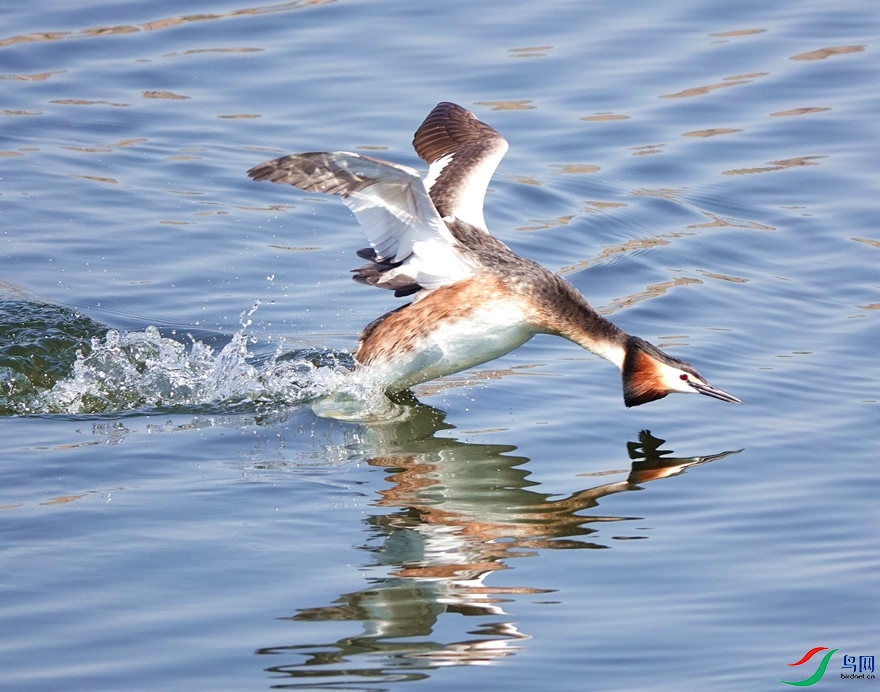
(569, 315)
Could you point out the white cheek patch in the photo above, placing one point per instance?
(672, 379)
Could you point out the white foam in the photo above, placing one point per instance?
(143, 370)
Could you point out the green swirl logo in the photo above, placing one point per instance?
(820, 671)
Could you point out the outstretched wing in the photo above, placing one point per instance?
(411, 246)
(463, 153)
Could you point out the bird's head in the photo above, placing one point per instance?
(650, 374)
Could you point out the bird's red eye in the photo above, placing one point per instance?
(683, 377)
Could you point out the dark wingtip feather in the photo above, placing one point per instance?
(260, 171)
(407, 291)
(315, 171)
(375, 275)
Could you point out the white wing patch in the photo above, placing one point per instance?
(391, 204)
(472, 188)
(462, 153)
(435, 169)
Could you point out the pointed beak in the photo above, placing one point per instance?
(709, 390)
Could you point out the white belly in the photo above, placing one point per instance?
(457, 345)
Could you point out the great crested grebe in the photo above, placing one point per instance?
(474, 299)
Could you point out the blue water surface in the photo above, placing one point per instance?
(175, 514)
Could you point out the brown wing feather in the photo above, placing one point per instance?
(311, 172)
(450, 128)
(473, 147)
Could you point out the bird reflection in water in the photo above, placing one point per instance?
(458, 512)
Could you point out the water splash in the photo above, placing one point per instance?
(54, 360)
